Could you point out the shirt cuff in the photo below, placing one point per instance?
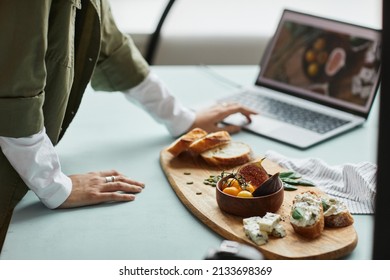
(37, 163)
(154, 97)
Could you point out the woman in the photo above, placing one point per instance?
(49, 52)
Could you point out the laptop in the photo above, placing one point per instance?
(318, 79)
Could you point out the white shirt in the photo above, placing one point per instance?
(37, 163)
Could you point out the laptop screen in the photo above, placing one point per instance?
(327, 61)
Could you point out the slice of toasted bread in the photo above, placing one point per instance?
(209, 141)
(336, 213)
(342, 219)
(182, 143)
(307, 216)
(312, 231)
(230, 154)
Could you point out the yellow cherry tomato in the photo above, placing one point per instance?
(319, 44)
(244, 194)
(310, 56)
(231, 182)
(250, 188)
(231, 190)
(313, 69)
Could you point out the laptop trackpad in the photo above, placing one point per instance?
(259, 123)
(275, 129)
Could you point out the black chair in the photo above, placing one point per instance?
(154, 39)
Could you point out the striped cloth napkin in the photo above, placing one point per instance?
(354, 184)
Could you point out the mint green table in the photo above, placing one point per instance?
(111, 133)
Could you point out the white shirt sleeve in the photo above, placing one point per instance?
(154, 97)
(37, 163)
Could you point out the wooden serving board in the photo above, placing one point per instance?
(186, 174)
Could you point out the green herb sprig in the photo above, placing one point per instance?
(291, 179)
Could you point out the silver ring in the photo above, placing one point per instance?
(110, 179)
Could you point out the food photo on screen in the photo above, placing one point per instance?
(336, 65)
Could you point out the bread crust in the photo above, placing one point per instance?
(228, 155)
(182, 143)
(210, 141)
(336, 213)
(342, 219)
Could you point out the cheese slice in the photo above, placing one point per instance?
(254, 233)
(268, 222)
(258, 228)
(251, 220)
(279, 231)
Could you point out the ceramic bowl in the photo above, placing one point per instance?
(248, 207)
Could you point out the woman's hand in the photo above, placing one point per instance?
(99, 187)
(210, 118)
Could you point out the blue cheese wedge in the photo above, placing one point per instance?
(253, 232)
(269, 221)
(251, 220)
(266, 223)
(279, 231)
(258, 228)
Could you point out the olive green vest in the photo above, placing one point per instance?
(49, 52)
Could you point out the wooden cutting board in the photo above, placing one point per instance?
(186, 174)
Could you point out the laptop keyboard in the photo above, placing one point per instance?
(288, 113)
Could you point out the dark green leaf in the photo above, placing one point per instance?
(288, 187)
(297, 215)
(325, 206)
(304, 182)
(290, 181)
(301, 182)
(290, 174)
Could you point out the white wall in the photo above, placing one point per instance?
(227, 31)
